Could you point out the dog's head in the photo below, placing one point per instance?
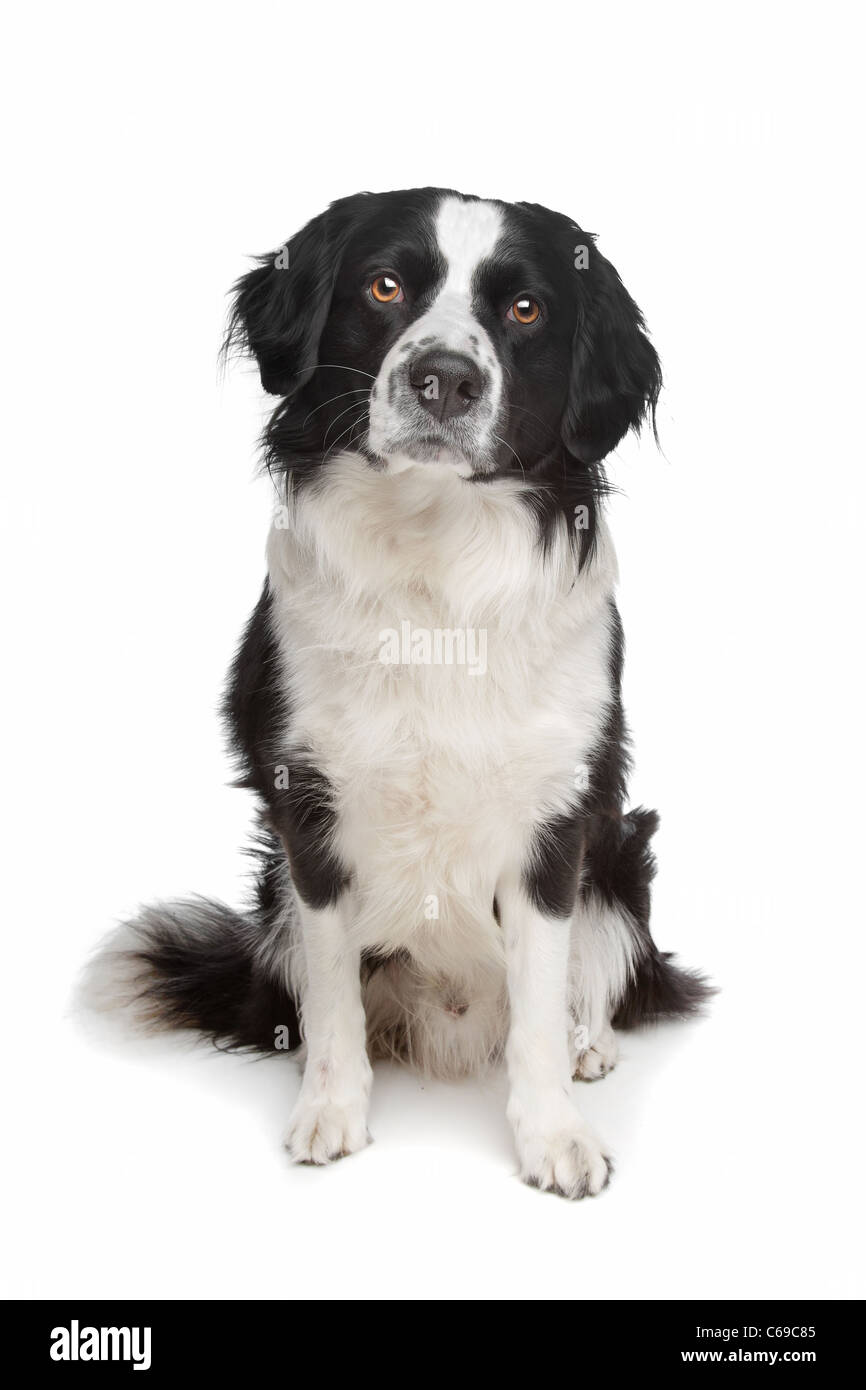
(427, 327)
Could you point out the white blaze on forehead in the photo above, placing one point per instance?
(466, 234)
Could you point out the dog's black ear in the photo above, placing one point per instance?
(615, 372)
(280, 308)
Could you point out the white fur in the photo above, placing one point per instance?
(556, 1148)
(330, 1116)
(466, 235)
(441, 777)
(601, 965)
(113, 979)
(594, 1062)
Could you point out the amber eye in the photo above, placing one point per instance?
(386, 290)
(524, 310)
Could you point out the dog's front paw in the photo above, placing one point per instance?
(322, 1131)
(558, 1152)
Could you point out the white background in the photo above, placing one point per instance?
(714, 148)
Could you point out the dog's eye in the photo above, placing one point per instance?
(524, 310)
(386, 290)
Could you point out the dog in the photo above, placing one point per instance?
(426, 701)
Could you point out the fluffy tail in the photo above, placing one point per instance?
(660, 989)
(620, 868)
(195, 964)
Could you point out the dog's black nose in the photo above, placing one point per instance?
(447, 383)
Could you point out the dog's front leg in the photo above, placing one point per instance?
(330, 1117)
(556, 1147)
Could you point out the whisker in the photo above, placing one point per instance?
(514, 451)
(358, 390)
(353, 406)
(544, 436)
(358, 422)
(337, 367)
(531, 413)
(347, 430)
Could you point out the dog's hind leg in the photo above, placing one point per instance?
(601, 963)
(618, 977)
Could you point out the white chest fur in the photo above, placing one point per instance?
(441, 768)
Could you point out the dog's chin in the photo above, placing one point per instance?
(429, 457)
(429, 451)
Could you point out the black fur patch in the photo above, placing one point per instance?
(551, 874)
(305, 819)
(200, 973)
(298, 800)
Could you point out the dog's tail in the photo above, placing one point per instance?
(620, 869)
(661, 989)
(195, 964)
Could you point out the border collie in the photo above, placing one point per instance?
(426, 700)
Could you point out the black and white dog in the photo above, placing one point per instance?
(427, 697)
